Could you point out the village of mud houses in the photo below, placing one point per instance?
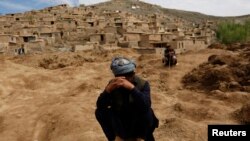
(55, 63)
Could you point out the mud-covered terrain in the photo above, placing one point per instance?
(51, 97)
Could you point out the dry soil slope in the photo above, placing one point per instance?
(58, 104)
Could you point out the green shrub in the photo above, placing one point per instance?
(229, 32)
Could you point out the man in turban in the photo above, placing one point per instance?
(124, 107)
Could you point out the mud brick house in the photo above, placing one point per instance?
(182, 45)
(132, 38)
(154, 40)
(35, 46)
(4, 44)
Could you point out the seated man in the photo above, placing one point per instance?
(124, 107)
(169, 51)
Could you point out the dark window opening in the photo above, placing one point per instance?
(118, 24)
(25, 39)
(61, 33)
(159, 45)
(52, 22)
(91, 24)
(102, 38)
(28, 39)
(17, 19)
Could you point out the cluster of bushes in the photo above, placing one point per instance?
(229, 32)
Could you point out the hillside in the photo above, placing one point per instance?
(114, 23)
(147, 9)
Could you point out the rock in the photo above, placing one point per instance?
(178, 107)
(243, 114)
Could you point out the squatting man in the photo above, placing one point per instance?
(124, 107)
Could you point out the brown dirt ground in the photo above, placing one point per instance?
(51, 97)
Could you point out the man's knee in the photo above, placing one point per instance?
(104, 118)
(103, 115)
(98, 114)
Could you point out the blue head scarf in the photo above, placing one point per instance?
(122, 65)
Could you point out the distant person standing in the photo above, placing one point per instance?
(21, 50)
(124, 107)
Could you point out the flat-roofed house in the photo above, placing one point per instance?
(130, 39)
(8, 43)
(4, 43)
(152, 40)
(182, 45)
(103, 38)
(35, 46)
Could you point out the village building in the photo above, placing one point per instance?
(4, 44)
(83, 27)
(184, 45)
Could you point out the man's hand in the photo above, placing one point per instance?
(118, 82)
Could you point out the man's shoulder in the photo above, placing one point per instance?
(138, 78)
(140, 82)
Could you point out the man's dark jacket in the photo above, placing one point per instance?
(129, 111)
